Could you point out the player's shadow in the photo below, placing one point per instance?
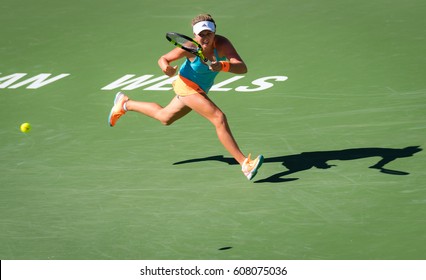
(308, 160)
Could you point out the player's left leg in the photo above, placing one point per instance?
(202, 104)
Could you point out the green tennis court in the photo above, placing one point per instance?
(335, 99)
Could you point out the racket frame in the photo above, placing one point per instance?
(198, 52)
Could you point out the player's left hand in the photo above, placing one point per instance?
(215, 66)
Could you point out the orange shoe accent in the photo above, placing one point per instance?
(117, 110)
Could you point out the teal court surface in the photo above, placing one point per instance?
(335, 99)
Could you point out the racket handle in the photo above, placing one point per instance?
(208, 62)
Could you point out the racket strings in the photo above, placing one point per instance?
(184, 42)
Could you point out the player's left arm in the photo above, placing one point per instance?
(225, 48)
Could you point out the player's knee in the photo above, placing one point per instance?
(219, 118)
(167, 122)
(164, 118)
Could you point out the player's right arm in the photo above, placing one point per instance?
(165, 60)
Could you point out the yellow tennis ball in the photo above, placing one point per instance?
(25, 127)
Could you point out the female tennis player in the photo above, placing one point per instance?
(194, 80)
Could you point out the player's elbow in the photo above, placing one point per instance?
(164, 61)
(161, 61)
(242, 69)
(237, 66)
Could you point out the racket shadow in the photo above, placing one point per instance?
(307, 160)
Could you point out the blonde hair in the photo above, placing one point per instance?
(203, 17)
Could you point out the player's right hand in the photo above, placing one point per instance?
(170, 70)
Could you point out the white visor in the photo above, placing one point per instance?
(203, 25)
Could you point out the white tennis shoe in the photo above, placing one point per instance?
(250, 167)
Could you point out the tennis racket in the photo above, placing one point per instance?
(188, 44)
